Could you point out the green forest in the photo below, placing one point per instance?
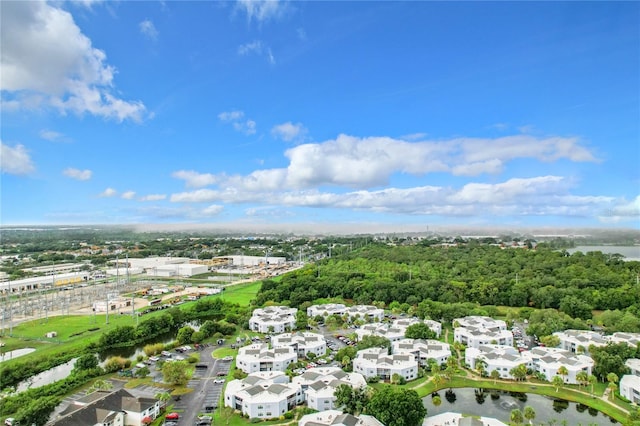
(433, 280)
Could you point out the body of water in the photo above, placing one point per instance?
(47, 377)
(498, 404)
(629, 252)
(15, 354)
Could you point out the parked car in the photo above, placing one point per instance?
(172, 416)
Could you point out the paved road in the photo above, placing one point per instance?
(205, 393)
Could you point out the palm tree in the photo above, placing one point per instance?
(163, 397)
(563, 372)
(557, 382)
(612, 378)
(516, 416)
(495, 375)
(481, 367)
(582, 377)
(592, 381)
(529, 413)
(100, 384)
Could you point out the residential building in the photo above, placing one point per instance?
(273, 319)
(630, 387)
(326, 310)
(302, 342)
(578, 341)
(474, 331)
(366, 313)
(108, 408)
(374, 362)
(337, 418)
(263, 395)
(319, 385)
(633, 364)
(500, 358)
(632, 339)
(423, 350)
(258, 357)
(549, 360)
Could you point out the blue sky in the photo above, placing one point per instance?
(382, 113)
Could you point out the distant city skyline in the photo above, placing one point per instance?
(354, 116)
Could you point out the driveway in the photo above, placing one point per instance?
(205, 393)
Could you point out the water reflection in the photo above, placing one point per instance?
(500, 403)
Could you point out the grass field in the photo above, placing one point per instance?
(241, 294)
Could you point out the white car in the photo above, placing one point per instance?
(218, 381)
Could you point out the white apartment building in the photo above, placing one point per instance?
(258, 357)
(380, 329)
(474, 331)
(423, 350)
(630, 387)
(499, 358)
(263, 395)
(633, 364)
(631, 339)
(549, 360)
(319, 385)
(579, 340)
(367, 313)
(273, 319)
(374, 362)
(302, 342)
(337, 418)
(326, 309)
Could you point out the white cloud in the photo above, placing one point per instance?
(15, 160)
(51, 135)
(194, 179)
(537, 196)
(247, 48)
(47, 61)
(148, 29)
(212, 210)
(289, 132)
(109, 192)
(236, 118)
(270, 57)
(128, 195)
(262, 10)
(247, 127)
(153, 197)
(230, 116)
(258, 48)
(622, 211)
(77, 173)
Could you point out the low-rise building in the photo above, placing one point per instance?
(319, 385)
(303, 343)
(337, 418)
(630, 387)
(116, 408)
(326, 310)
(578, 341)
(374, 362)
(631, 339)
(498, 358)
(474, 331)
(423, 350)
(367, 313)
(273, 319)
(263, 395)
(258, 357)
(633, 364)
(549, 360)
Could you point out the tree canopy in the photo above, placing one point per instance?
(395, 406)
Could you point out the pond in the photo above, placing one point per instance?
(46, 377)
(498, 404)
(15, 353)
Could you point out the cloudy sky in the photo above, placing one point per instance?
(507, 113)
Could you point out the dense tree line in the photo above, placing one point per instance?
(482, 274)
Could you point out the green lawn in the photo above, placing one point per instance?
(241, 294)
